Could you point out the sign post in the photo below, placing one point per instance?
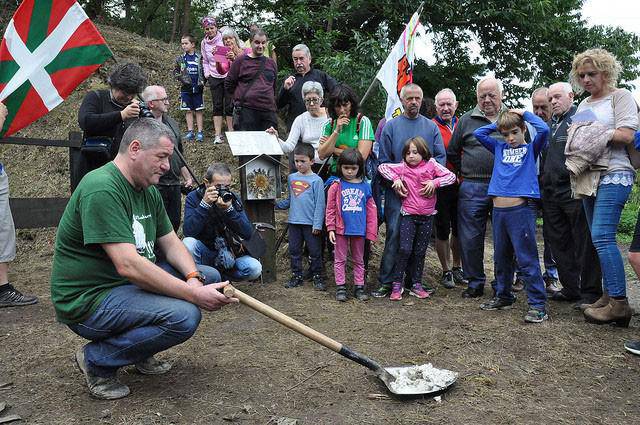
(259, 158)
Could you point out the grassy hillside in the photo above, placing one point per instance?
(44, 171)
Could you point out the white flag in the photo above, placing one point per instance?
(397, 70)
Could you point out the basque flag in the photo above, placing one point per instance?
(48, 49)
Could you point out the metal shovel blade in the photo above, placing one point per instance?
(417, 380)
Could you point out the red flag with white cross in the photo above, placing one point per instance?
(48, 49)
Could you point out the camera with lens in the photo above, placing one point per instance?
(224, 193)
(145, 112)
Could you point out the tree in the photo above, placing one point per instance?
(522, 43)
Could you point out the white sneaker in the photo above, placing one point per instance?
(217, 140)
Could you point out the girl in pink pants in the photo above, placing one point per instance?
(350, 217)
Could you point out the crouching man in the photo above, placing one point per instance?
(215, 222)
(105, 284)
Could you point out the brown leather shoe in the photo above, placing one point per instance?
(601, 302)
(617, 312)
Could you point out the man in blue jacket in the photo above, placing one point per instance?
(392, 141)
(213, 220)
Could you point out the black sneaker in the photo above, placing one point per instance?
(341, 293)
(11, 297)
(458, 276)
(496, 303)
(318, 283)
(359, 293)
(632, 347)
(561, 296)
(473, 292)
(382, 291)
(307, 275)
(447, 280)
(296, 280)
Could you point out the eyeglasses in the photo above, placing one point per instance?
(313, 101)
(164, 99)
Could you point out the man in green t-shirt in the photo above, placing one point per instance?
(105, 283)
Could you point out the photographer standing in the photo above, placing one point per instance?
(214, 220)
(156, 99)
(104, 115)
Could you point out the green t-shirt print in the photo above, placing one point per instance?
(347, 138)
(104, 208)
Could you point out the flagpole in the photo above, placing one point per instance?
(373, 83)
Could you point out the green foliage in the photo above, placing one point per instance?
(522, 43)
(629, 216)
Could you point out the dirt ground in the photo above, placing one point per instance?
(241, 367)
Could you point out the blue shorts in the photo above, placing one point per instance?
(191, 101)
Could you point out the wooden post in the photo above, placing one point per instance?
(261, 211)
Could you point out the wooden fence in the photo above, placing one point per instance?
(31, 213)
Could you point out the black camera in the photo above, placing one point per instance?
(224, 193)
(145, 112)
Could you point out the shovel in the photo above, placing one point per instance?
(407, 380)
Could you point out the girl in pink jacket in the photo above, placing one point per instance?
(351, 217)
(415, 180)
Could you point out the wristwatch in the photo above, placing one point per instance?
(197, 274)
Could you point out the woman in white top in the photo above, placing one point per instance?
(307, 127)
(596, 71)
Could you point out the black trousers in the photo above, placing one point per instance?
(172, 199)
(568, 233)
(254, 120)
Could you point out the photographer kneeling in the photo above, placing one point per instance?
(214, 220)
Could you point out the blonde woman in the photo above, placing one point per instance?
(596, 72)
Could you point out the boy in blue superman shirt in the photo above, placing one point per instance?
(513, 183)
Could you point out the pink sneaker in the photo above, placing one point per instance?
(418, 291)
(396, 291)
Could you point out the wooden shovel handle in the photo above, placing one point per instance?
(283, 319)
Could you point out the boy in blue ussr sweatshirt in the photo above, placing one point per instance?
(513, 183)
(306, 202)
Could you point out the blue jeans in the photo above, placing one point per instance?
(245, 267)
(550, 269)
(474, 207)
(132, 324)
(392, 205)
(603, 215)
(514, 233)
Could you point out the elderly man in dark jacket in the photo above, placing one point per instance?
(213, 219)
(290, 94)
(564, 218)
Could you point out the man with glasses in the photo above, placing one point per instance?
(157, 101)
(290, 94)
(103, 116)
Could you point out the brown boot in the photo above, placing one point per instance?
(617, 312)
(601, 302)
